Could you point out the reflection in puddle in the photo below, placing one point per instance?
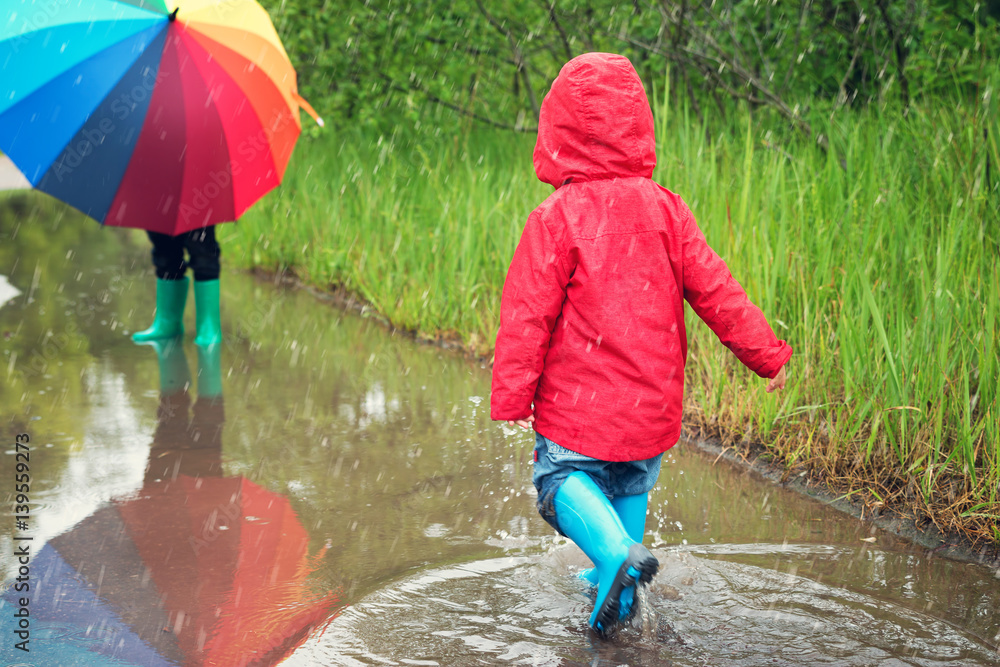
(194, 567)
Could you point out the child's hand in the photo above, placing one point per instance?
(526, 423)
(777, 382)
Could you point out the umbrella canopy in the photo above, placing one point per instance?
(166, 115)
(233, 560)
(198, 571)
(80, 628)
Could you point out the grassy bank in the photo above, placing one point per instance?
(876, 259)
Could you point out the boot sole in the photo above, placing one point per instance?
(638, 569)
(141, 337)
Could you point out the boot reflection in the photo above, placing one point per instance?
(187, 441)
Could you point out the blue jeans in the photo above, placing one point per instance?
(553, 464)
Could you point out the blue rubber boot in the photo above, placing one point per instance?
(632, 512)
(206, 303)
(168, 322)
(587, 517)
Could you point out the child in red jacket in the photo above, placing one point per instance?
(591, 346)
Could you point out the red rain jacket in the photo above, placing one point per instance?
(592, 313)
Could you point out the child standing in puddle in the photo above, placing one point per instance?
(592, 346)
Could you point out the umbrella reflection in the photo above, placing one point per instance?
(195, 568)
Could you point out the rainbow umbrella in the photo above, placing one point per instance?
(165, 115)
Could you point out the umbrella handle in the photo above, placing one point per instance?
(308, 107)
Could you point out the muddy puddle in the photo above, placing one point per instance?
(322, 492)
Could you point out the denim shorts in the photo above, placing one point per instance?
(553, 464)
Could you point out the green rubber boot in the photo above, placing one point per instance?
(168, 322)
(209, 372)
(206, 302)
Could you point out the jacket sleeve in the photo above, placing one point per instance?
(532, 299)
(725, 307)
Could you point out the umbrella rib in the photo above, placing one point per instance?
(78, 62)
(266, 50)
(121, 182)
(181, 45)
(204, 41)
(91, 23)
(260, 121)
(208, 16)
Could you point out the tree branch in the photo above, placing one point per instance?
(797, 42)
(898, 47)
(518, 56)
(551, 7)
(413, 86)
(701, 59)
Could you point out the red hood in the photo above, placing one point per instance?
(595, 123)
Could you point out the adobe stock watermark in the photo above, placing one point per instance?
(30, 25)
(219, 181)
(22, 541)
(121, 108)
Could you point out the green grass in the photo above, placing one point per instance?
(877, 260)
(424, 230)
